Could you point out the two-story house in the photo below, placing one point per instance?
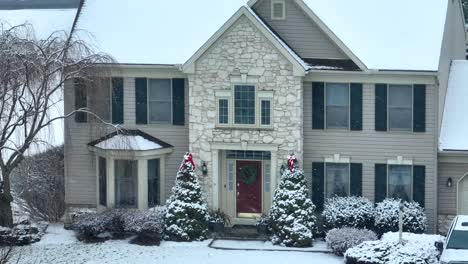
(356, 89)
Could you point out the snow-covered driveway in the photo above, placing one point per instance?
(60, 246)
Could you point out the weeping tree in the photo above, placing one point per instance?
(32, 75)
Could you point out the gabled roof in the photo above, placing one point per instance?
(132, 140)
(300, 66)
(44, 21)
(384, 34)
(454, 129)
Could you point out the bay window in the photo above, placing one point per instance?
(126, 183)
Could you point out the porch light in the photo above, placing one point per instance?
(449, 182)
(204, 169)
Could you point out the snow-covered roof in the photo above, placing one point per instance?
(44, 21)
(153, 32)
(454, 130)
(129, 140)
(387, 34)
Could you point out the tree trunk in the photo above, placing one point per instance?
(6, 216)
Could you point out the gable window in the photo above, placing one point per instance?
(400, 182)
(244, 104)
(400, 107)
(337, 179)
(337, 105)
(160, 100)
(278, 10)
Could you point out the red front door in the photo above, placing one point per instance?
(249, 186)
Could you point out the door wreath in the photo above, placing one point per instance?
(248, 175)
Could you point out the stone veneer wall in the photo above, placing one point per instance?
(243, 49)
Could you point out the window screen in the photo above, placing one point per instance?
(399, 182)
(160, 100)
(337, 179)
(337, 103)
(400, 107)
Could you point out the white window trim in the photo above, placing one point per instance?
(273, 2)
(400, 161)
(326, 106)
(412, 109)
(149, 122)
(259, 97)
(228, 124)
(326, 178)
(337, 158)
(411, 179)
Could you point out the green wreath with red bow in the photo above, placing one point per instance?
(248, 175)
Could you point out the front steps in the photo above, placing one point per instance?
(240, 232)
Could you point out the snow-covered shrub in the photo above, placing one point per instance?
(99, 227)
(292, 212)
(417, 248)
(149, 234)
(187, 213)
(350, 211)
(341, 239)
(134, 219)
(21, 234)
(386, 217)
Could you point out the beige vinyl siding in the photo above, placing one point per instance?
(448, 195)
(80, 165)
(300, 32)
(370, 147)
(453, 48)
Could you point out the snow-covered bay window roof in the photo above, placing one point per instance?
(129, 141)
(454, 130)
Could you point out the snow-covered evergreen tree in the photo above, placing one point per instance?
(292, 213)
(186, 217)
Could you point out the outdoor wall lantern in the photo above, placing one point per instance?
(204, 169)
(449, 182)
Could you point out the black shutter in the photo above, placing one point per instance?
(81, 100)
(318, 105)
(356, 106)
(419, 108)
(117, 101)
(380, 182)
(356, 179)
(141, 94)
(419, 184)
(381, 107)
(318, 183)
(178, 102)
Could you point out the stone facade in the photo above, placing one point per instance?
(444, 222)
(244, 51)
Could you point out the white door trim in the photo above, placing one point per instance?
(458, 192)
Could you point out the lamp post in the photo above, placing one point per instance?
(400, 223)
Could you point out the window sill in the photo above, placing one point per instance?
(256, 128)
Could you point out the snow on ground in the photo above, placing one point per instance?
(60, 246)
(319, 246)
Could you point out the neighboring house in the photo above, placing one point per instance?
(38, 4)
(356, 89)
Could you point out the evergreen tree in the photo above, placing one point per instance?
(292, 213)
(186, 217)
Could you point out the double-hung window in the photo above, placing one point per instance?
(337, 105)
(126, 183)
(400, 107)
(337, 179)
(400, 182)
(100, 101)
(244, 106)
(160, 100)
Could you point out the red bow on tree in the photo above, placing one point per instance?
(188, 158)
(291, 161)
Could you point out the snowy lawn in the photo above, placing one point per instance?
(60, 246)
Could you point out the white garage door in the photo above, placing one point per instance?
(463, 196)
